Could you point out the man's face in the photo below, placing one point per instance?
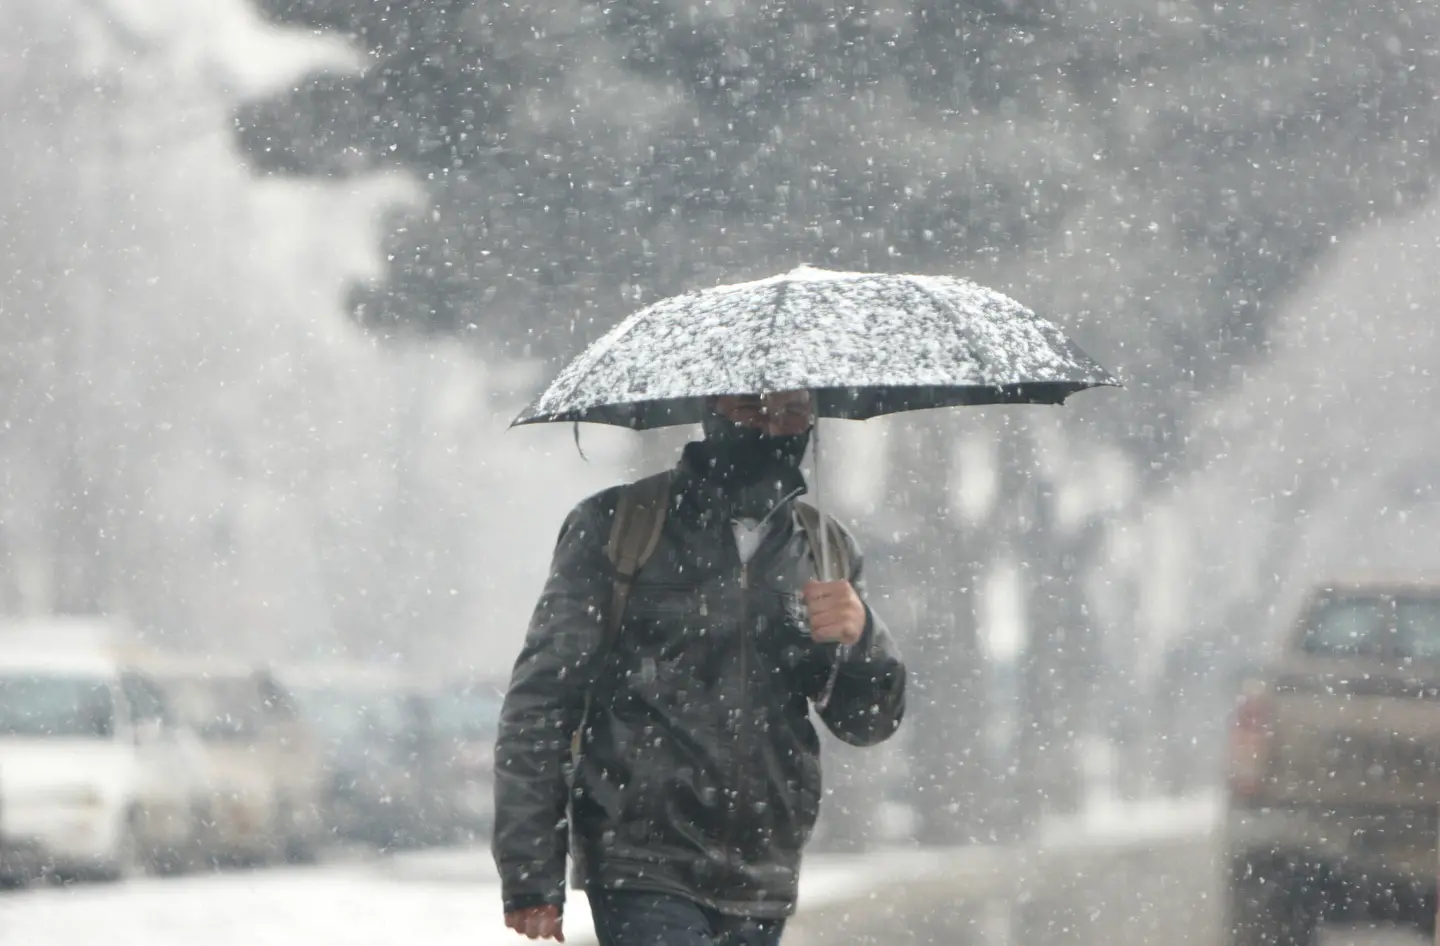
(779, 414)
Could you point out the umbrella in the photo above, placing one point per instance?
(864, 344)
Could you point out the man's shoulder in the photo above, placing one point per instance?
(602, 505)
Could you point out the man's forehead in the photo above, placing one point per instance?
(775, 397)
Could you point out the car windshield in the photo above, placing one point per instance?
(1417, 627)
(340, 713)
(467, 714)
(1346, 626)
(218, 709)
(56, 706)
(1397, 627)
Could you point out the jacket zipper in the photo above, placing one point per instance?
(737, 762)
(744, 703)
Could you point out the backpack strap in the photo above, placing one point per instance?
(634, 533)
(640, 510)
(809, 519)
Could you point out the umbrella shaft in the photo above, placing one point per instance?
(820, 506)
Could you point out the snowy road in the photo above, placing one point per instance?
(328, 905)
(427, 899)
(1133, 877)
(1141, 876)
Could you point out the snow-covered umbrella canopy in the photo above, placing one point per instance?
(865, 343)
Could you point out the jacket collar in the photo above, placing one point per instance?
(708, 501)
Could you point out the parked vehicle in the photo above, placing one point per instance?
(384, 782)
(446, 809)
(265, 764)
(1190, 707)
(466, 721)
(1334, 778)
(97, 777)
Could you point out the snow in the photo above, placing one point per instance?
(1117, 824)
(344, 907)
(229, 39)
(866, 341)
(444, 897)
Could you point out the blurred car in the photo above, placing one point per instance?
(265, 764)
(384, 784)
(1190, 706)
(466, 720)
(1334, 774)
(97, 779)
(444, 788)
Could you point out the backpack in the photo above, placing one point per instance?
(640, 511)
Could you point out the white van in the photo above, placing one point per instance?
(265, 768)
(96, 778)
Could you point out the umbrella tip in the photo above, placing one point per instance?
(810, 271)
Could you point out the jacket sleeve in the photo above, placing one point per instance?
(542, 710)
(868, 701)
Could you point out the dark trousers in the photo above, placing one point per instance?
(637, 918)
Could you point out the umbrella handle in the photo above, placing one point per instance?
(820, 505)
(824, 698)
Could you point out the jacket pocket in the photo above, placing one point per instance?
(803, 788)
(811, 791)
(674, 607)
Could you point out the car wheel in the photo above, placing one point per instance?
(295, 843)
(201, 845)
(125, 861)
(301, 848)
(1271, 905)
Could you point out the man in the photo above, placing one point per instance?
(698, 779)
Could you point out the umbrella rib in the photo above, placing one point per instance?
(964, 351)
(781, 291)
(604, 345)
(942, 307)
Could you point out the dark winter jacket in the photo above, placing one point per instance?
(700, 772)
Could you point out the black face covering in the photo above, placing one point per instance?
(743, 456)
(748, 469)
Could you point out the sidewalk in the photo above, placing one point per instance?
(979, 894)
(1109, 826)
(452, 897)
(839, 879)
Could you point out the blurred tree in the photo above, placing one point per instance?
(157, 424)
(1156, 174)
(940, 571)
(59, 205)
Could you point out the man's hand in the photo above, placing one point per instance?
(537, 923)
(836, 614)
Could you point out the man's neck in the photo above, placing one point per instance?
(754, 501)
